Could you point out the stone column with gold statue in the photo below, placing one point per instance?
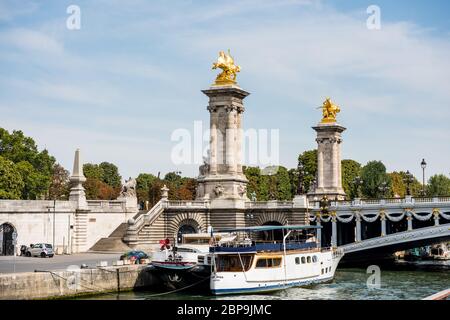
(221, 176)
(329, 140)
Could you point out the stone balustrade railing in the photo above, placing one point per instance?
(336, 205)
(105, 205)
(176, 204)
(268, 204)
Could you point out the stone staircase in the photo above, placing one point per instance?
(114, 242)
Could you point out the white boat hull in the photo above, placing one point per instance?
(289, 274)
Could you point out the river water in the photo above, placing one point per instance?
(400, 282)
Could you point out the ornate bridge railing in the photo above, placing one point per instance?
(399, 238)
(425, 211)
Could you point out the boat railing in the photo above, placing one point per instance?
(262, 246)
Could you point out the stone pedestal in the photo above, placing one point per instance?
(77, 179)
(329, 175)
(221, 177)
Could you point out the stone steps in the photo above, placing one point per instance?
(111, 244)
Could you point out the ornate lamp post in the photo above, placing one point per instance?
(383, 188)
(408, 179)
(358, 182)
(423, 164)
(301, 174)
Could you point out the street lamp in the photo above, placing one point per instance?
(408, 179)
(358, 182)
(383, 188)
(301, 174)
(423, 164)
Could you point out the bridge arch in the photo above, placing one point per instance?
(186, 222)
(6, 239)
(276, 217)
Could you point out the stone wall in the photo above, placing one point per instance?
(75, 231)
(59, 284)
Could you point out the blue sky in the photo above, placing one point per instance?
(118, 87)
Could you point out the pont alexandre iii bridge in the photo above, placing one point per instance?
(371, 228)
(361, 228)
(358, 227)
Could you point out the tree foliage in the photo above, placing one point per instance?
(11, 183)
(373, 175)
(60, 184)
(103, 181)
(438, 185)
(308, 160)
(350, 170)
(35, 167)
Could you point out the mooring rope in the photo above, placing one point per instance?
(86, 287)
(112, 294)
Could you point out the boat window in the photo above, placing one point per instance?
(314, 259)
(268, 263)
(297, 260)
(303, 260)
(322, 270)
(308, 259)
(232, 263)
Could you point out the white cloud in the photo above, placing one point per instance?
(32, 41)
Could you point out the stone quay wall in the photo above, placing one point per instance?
(66, 284)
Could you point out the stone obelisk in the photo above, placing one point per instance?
(221, 177)
(329, 173)
(77, 179)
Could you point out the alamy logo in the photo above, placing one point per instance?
(374, 280)
(231, 146)
(74, 279)
(373, 22)
(73, 21)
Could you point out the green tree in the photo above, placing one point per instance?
(398, 187)
(350, 170)
(143, 184)
(35, 183)
(308, 160)
(60, 185)
(23, 151)
(253, 175)
(11, 183)
(373, 175)
(438, 185)
(283, 184)
(92, 171)
(110, 175)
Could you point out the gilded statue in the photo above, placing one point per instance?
(226, 62)
(329, 111)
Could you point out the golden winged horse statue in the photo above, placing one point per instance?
(226, 62)
(329, 111)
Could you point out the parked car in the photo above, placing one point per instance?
(134, 256)
(42, 250)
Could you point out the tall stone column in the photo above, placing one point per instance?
(329, 175)
(223, 177)
(213, 140)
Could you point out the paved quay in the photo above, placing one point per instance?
(58, 262)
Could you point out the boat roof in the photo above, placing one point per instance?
(268, 228)
(200, 235)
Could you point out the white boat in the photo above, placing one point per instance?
(247, 266)
(186, 264)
